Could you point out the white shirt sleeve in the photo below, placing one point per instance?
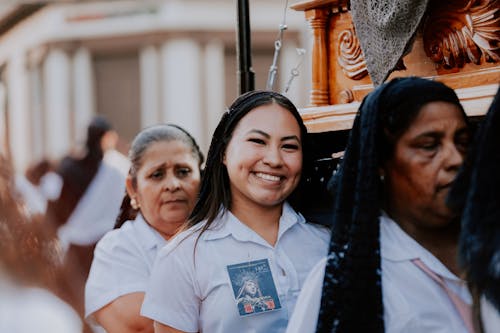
(305, 315)
(172, 296)
(118, 268)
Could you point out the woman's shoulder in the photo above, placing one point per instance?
(183, 241)
(318, 230)
(123, 237)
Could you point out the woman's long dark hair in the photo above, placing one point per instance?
(215, 187)
(352, 288)
(140, 144)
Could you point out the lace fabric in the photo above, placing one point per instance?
(385, 29)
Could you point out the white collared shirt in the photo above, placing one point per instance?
(122, 263)
(413, 302)
(190, 289)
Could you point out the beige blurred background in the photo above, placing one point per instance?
(136, 62)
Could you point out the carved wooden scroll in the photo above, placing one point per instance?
(459, 32)
(351, 58)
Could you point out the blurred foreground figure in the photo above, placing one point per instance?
(477, 194)
(28, 271)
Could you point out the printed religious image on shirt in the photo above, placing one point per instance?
(253, 287)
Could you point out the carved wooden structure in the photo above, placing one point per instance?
(457, 43)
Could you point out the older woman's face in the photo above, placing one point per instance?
(167, 185)
(424, 164)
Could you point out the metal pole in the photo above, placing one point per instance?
(246, 75)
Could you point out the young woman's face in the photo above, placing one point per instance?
(167, 185)
(424, 164)
(264, 157)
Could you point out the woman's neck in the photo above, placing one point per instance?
(263, 220)
(441, 241)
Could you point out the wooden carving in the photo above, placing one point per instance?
(458, 32)
(351, 58)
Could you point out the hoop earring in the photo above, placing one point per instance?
(134, 203)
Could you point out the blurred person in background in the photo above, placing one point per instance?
(39, 184)
(89, 201)
(162, 187)
(29, 270)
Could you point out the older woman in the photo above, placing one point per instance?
(162, 187)
(243, 228)
(392, 264)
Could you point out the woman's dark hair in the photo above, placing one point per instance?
(215, 190)
(95, 131)
(140, 144)
(352, 288)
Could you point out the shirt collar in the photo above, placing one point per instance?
(227, 224)
(151, 238)
(397, 245)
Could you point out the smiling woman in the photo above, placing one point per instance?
(245, 233)
(162, 186)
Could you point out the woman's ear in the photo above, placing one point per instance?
(130, 186)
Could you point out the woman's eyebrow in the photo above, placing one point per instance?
(288, 137)
(259, 132)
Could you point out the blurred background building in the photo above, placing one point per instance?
(136, 62)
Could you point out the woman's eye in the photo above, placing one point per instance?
(157, 174)
(291, 146)
(463, 143)
(184, 172)
(428, 145)
(257, 141)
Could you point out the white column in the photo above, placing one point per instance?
(56, 71)
(214, 89)
(83, 93)
(3, 125)
(181, 88)
(37, 119)
(18, 104)
(149, 68)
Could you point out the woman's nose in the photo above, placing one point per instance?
(273, 157)
(171, 183)
(454, 157)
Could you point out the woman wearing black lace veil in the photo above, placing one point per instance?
(477, 194)
(405, 148)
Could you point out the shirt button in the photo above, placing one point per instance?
(283, 272)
